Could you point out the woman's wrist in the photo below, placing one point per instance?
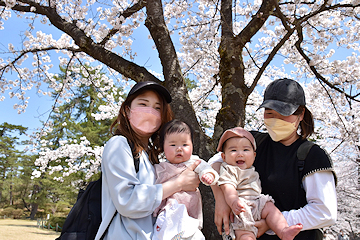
(171, 186)
(218, 193)
(178, 184)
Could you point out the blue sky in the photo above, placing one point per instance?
(39, 106)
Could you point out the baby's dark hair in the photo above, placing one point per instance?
(175, 126)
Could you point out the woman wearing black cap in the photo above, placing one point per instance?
(129, 193)
(305, 195)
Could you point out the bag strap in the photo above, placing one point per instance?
(135, 157)
(107, 228)
(301, 154)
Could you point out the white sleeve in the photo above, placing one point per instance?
(216, 158)
(203, 168)
(321, 209)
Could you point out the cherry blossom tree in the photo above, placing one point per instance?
(231, 49)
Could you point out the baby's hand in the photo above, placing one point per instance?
(207, 178)
(237, 207)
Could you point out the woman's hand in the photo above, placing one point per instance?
(188, 180)
(223, 214)
(223, 217)
(261, 226)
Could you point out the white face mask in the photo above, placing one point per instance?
(145, 120)
(279, 129)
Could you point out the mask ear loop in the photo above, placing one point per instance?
(298, 129)
(298, 119)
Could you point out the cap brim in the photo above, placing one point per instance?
(285, 109)
(161, 90)
(148, 85)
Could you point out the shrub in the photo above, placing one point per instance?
(57, 220)
(12, 212)
(40, 214)
(17, 213)
(7, 211)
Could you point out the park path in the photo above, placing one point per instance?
(14, 229)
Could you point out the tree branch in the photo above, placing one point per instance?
(87, 45)
(313, 68)
(256, 22)
(269, 59)
(126, 14)
(274, 51)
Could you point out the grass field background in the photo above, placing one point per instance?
(14, 229)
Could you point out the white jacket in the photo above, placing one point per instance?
(134, 195)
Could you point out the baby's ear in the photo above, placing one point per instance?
(223, 156)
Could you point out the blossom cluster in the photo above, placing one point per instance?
(324, 42)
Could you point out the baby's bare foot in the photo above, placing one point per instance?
(289, 233)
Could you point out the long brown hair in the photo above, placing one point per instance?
(307, 124)
(121, 126)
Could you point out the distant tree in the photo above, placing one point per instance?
(16, 185)
(9, 155)
(73, 118)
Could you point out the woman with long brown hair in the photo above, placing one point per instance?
(129, 197)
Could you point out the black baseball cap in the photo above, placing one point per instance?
(151, 86)
(284, 96)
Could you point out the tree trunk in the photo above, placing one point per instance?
(181, 106)
(11, 201)
(34, 209)
(358, 162)
(34, 205)
(26, 205)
